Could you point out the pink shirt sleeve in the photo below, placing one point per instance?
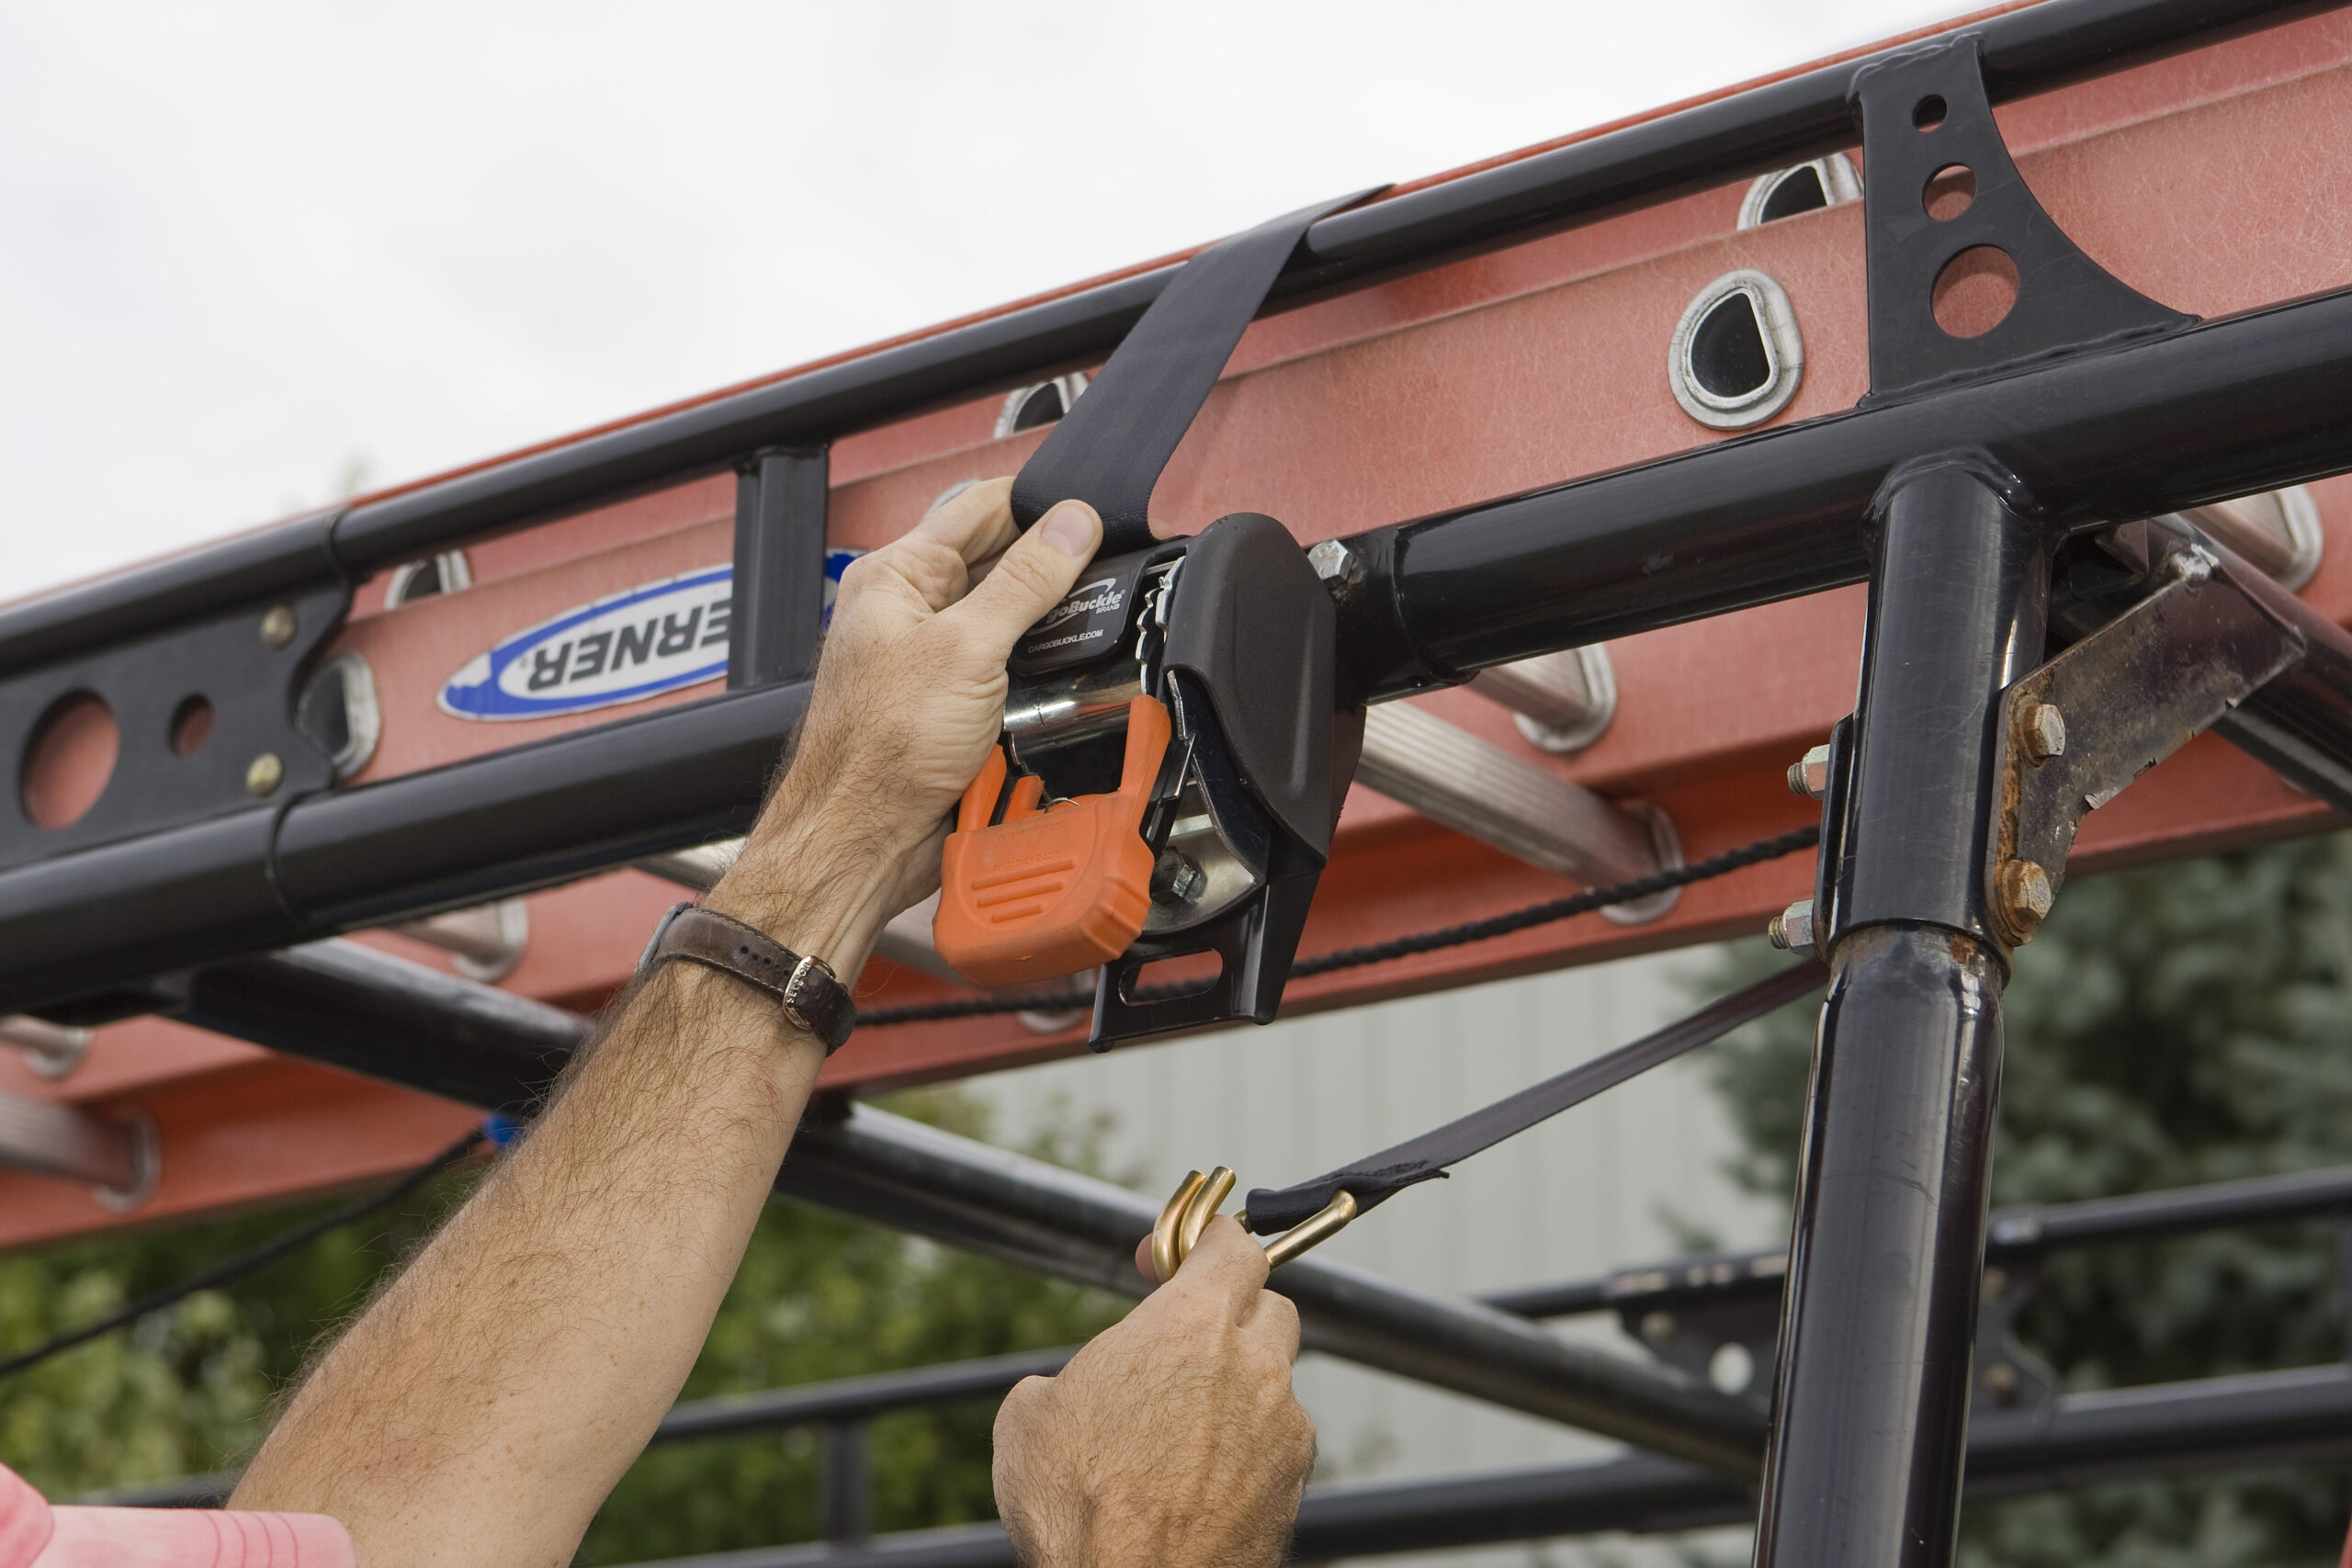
(35, 1535)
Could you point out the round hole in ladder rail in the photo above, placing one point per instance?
(1951, 190)
(1928, 112)
(68, 759)
(191, 725)
(1975, 291)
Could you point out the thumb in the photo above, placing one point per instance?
(1031, 577)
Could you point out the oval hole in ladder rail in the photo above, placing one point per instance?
(1735, 357)
(1830, 181)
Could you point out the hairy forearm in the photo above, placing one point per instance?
(482, 1407)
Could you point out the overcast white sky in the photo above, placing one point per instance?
(245, 246)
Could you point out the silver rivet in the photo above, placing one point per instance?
(264, 775)
(278, 626)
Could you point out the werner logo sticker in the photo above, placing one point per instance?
(623, 648)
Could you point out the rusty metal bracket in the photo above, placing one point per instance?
(2083, 726)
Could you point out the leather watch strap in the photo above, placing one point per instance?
(811, 995)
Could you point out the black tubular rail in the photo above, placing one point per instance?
(2025, 51)
(2013, 1236)
(2234, 406)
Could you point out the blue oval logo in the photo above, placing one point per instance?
(622, 648)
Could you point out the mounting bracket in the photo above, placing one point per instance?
(203, 713)
(2077, 731)
(1945, 212)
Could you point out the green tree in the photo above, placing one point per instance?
(818, 1296)
(2170, 1026)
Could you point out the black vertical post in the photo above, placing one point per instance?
(779, 592)
(2344, 1276)
(1871, 1408)
(841, 1489)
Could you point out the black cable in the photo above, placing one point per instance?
(1546, 913)
(245, 1263)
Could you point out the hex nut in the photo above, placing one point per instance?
(1809, 775)
(2026, 893)
(278, 626)
(1791, 929)
(1335, 563)
(2045, 732)
(264, 775)
(1658, 1327)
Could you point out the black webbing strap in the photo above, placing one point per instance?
(1377, 1178)
(1109, 448)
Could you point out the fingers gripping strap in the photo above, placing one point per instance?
(1376, 1178)
(1109, 448)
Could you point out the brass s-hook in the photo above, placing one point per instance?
(1197, 1200)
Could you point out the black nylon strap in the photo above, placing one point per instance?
(1109, 448)
(1376, 1178)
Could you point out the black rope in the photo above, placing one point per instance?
(245, 1263)
(1592, 898)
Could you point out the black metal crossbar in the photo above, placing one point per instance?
(370, 1012)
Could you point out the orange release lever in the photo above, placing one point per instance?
(1051, 892)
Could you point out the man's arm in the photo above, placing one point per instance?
(481, 1410)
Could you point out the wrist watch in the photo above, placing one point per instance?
(805, 988)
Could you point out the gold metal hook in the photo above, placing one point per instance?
(1197, 1200)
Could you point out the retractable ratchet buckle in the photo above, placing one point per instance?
(1164, 787)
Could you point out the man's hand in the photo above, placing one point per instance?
(477, 1415)
(1171, 1440)
(909, 698)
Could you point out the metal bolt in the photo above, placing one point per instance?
(1792, 928)
(1658, 1327)
(1177, 878)
(1809, 775)
(2194, 565)
(264, 775)
(2045, 732)
(2026, 893)
(278, 626)
(1335, 563)
(2001, 1382)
